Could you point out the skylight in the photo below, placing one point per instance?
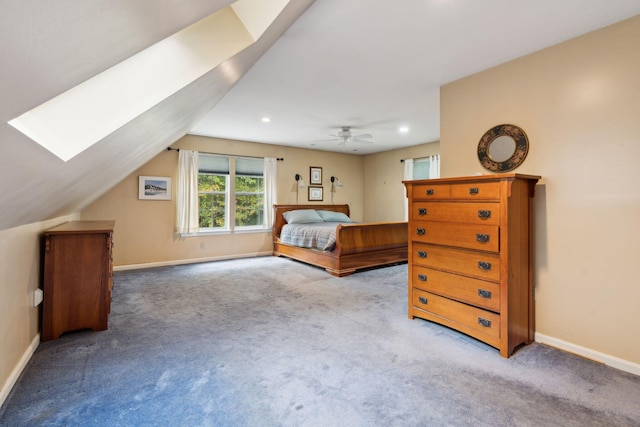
(80, 117)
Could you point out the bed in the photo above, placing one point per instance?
(357, 245)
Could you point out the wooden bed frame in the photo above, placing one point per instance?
(358, 245)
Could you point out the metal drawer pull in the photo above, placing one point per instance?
(423, 300)
(484, 214)
(484, 293)
(483, 265)
(484, 238)
(421, 231)
(422, 277)
(422, 211)
(474, 190)
(422, 254)
(484, 322)
(430, 192)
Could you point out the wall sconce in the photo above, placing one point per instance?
(335, 185)
(299, 184)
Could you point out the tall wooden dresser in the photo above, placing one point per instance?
(78, 274)
(470, 256)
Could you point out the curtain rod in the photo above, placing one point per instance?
(280, 159)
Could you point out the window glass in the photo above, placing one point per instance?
(421, 168)
(212, 197)
(249, 192)
(249, 201)
(218, 183)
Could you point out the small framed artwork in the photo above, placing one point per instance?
(154, 188)
(315, 194)
(315, 175)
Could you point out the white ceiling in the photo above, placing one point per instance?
(378, 65)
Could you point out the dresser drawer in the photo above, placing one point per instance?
(471, 236)
(466, 289)
(472, 213)
(472, 320)
(470, 263)
(430, 191)
(475, 191)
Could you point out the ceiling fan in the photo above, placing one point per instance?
(345, 135)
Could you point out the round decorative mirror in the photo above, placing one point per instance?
(503, 148)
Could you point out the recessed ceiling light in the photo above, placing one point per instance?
(266, 120)
(403, 129)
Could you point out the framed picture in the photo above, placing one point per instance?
(154, 188)
(315, 194)
(315, 175)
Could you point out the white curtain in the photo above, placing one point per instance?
(270, 188)
(187, 192)
(408, 175)
(434, 168)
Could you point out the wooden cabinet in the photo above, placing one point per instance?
(78, 274)
(470, 256)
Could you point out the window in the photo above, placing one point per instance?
(230, 192)
(249, 192)
(426, 167)
(421, 168)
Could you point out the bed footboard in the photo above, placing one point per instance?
(367, 237)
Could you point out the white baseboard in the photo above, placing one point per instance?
(614, 362)
(13, 378)
(188, 261)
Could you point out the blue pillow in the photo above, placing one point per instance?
(302, 216)
(331, 216)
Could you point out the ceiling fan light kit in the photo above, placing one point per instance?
(345, 135)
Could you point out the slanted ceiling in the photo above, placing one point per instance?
(49, 49)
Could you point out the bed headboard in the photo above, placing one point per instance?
(278, 210)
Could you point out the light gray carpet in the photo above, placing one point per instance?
(269, 342)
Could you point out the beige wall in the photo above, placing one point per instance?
(383, 189)
(20, 267)
(144, 229)
(579, 103)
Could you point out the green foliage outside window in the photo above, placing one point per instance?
(249, 200)
(249, 192)
(212, 200)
